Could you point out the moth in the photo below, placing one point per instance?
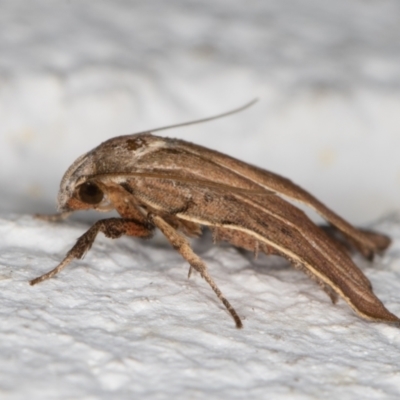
(179, 187)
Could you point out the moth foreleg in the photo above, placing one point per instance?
(112, 228)
(181, 244)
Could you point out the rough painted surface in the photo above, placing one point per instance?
(126, 321)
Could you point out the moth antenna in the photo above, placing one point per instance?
(200, 121)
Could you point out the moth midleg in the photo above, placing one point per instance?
(112, 228)
(181, 244)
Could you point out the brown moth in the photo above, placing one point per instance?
(177, 187)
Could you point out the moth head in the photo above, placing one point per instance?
(78, 191)
(86, 194)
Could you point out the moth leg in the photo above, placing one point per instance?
(326, 288)
(331, 293)
(54, 217)
(181, 244)
(112, 228)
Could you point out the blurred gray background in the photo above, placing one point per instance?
(75, 73)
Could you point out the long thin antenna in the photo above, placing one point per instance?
(200, 121)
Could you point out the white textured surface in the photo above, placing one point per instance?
(125, 322)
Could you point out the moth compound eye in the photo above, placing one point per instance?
(90, 193)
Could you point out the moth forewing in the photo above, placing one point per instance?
(178, 187)
(278, 225)
(267, 219)
(284, 186)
